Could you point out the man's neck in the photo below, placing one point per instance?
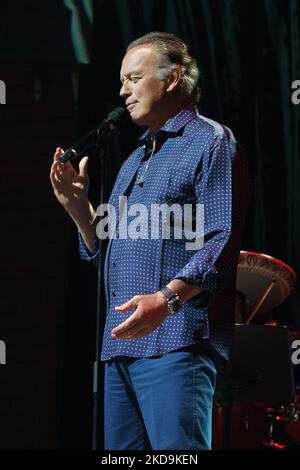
(175, 109)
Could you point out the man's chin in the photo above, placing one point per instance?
(137, 119)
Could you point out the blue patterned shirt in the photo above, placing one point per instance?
(196, 160)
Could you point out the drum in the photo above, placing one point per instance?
(265, 282)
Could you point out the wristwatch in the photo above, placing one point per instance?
(174, 302)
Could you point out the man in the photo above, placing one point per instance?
(170, 309)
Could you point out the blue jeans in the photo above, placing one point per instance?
(159, 403)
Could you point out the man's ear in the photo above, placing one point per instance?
(174, 79)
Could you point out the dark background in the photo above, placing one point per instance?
(248, 53)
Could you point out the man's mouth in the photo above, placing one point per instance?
(130, 106)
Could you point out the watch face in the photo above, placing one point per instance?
(174, 305)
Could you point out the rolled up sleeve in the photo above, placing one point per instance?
(85, 253)
(222, 187)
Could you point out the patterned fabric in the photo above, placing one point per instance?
(196, 160)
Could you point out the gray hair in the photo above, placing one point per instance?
(173, 53)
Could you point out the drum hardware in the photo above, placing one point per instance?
(292, 424)
(287, 416)
(248, 425)
(261, 301)
(271, 442)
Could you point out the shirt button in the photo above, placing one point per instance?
(113, 294)
(114, 264)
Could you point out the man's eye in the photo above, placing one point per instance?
(135, 79)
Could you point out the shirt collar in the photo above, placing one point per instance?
(173, 125)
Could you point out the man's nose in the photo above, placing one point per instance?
(125, 90)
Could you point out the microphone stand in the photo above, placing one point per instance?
(98, 391)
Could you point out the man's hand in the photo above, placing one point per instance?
(151, 311)
(70, 187)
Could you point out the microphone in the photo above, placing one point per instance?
(97, 135)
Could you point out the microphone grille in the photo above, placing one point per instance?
(118, 114)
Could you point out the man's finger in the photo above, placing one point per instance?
(58, 152)
(130, 322)
(54, 177)
(133, 333)
(63, 166)
(83, 167)
(124, 329)
(129, 305)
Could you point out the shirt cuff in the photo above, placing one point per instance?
(84, 252)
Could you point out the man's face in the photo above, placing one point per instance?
(143, 91)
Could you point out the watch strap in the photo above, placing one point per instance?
(168, 293)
